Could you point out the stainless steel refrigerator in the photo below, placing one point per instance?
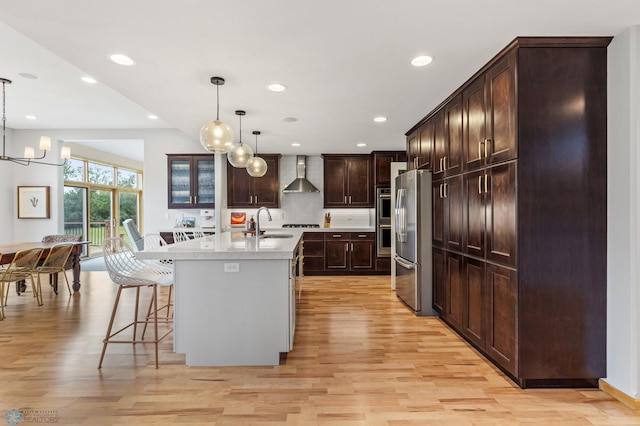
(413, 241)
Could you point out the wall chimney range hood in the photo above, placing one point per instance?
(300, 184)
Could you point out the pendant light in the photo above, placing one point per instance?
(216, 136)
(256, 166)
(239, 153)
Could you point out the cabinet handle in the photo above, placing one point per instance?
(337, 235)
(441, 195)
(195, 199)
(444, 163)
(190, 199)
(415, 163)
(486, 147)
(486, 184)
(362, 236)
(256, 199)
(446, 186)
(346, 247)
(349, 199)
(250, 199)
(480, 148)
(480, 184)
(345, 199)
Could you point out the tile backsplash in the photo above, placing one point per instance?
(307, 207)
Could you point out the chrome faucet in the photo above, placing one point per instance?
(258, 220)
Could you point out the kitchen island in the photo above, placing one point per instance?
(234, 297)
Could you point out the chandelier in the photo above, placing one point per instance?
(29, 154)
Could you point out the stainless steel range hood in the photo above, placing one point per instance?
(300, 184)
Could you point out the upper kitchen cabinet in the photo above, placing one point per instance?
(420, 147)
(447, 139)
(244, 190)
(191, 181)
(382, 166)
(347, 181)
(489, 110)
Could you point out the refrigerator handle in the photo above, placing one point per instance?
(400, 220)
(400, 261)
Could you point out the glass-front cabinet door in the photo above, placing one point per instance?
(191, 181)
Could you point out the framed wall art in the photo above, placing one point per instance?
(33, 202)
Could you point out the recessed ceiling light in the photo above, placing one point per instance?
(30, 117)
(362, 144)
(380, 119)
(28, 75)
(277, 87)
(121, 59)
(289, 119)
(295, 144)
(421, 61)
(153, 117)
(88, 79)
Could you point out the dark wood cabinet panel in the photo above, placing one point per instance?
(347, 181)
(501, 207)
(243, 190)
(362, 251)
(438, 206)
(438, 281)
(453, 137)
(313, 251)
(382, 166)
(413, 150)
(454, 293)
(501, 324)
(454, 209)
(501, 117)
(425, 134)
(474, 133)
(439, 145)
(474, 216)
(191, 181)
(336, 251)
(474, 305)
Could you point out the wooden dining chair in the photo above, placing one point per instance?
(54, 263)
(21, 268)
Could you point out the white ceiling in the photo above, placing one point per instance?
(343, 62)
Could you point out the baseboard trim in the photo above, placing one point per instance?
(627, 400)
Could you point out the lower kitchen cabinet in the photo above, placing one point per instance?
(501, 313)
(474, 317)
(438, 280)
(313, 253)
(453, 290)
(349, 252)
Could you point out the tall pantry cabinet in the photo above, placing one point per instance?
(519, 239)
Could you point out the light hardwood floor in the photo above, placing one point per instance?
(360, 358)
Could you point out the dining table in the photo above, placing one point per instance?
(8, 251)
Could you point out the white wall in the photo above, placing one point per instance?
(622, 213)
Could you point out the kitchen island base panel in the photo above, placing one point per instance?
(232, 318)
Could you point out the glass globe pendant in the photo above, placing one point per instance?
(216, 136)
(256, 166)
(239, 154)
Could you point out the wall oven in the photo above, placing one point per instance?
(383, 222)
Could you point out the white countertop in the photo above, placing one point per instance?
(321, 229)
(229, 246)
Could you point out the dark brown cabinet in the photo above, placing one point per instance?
(347, 181)
(420, 147)
(243, 190)
(313, 252)
(382, 166)
(191, 181)
(519, 223)
(346, 251)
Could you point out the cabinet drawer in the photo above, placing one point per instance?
(311, 236)
(330, 236)
(354, 236)
(313, 248)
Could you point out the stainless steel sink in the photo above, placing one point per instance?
(276, 236)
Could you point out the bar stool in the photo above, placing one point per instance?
(127, 272)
